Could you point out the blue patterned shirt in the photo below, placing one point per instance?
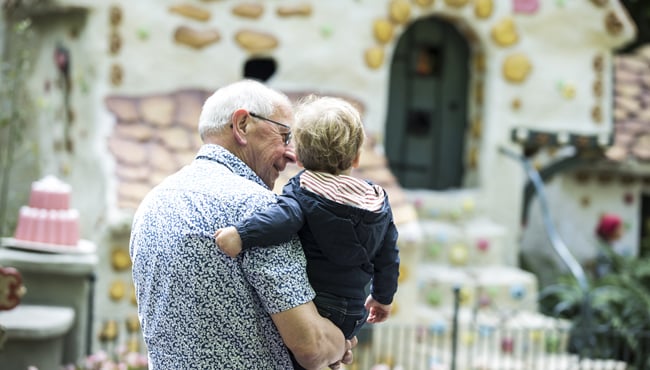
(199, 308)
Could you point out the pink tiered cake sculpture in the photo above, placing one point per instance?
(48, 218)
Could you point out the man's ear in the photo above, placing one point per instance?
(239, 123)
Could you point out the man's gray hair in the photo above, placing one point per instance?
(245, 94)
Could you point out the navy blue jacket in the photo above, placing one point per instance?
(346, 246)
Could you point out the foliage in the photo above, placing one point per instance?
(14, 68)
(618, 304)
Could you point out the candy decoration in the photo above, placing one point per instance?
(483, 9)
(438, 328)
(434, 298)
(132, 324)
(458, 255)
(109, 331)
(567, 89)
(374, 57)
(483, 245)
(11, 288)
(516, 69)
(525, 6)
(117, 290)
(399, 11)
(120, 259)
(484, 300)
(134, 298)
(441, 237)
(507, 345)
(383, 30)
(468, 205)
(143, 34)
(133, 344)
(485, 330)
(536, 335)
(517, 292)
(552, 343)
(420, 333)
(468, 338)
(504, 33)
(434, 250)
(326, 31)
(465, 296)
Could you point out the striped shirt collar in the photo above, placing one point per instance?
(344, 189)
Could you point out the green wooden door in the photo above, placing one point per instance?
(427, 113)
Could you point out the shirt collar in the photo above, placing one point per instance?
(219, 154)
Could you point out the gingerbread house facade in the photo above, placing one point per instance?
(444, 86)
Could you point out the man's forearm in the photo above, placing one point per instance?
(314, 341)
(327, 347)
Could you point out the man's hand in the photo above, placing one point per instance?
(228, 241)
(348, 356)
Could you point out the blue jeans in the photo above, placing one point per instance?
(348, 314)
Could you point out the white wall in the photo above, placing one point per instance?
(575, 208)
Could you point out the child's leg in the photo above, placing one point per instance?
(348, 314)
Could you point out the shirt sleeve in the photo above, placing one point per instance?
(279, 276)
(276, 224)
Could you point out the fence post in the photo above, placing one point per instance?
(454, 328)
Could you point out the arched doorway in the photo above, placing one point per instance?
(427, 113)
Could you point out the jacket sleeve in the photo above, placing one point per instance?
(276, 224)
(386, 267)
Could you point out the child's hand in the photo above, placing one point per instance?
(228, 240)
(377, 312)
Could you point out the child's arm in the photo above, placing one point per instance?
(377, 312)
(276, 224)
(386, 268)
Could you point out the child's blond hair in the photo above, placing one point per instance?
(328, 134)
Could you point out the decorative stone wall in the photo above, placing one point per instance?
(632, 107)
(155, 136)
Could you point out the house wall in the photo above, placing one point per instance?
(557, 41)
(576, 201)
(535, 62)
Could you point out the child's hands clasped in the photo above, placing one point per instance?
(228, 241)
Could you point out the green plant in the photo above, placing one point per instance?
(616, 307)
(14, 68)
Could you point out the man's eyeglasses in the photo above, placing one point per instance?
(286, 136)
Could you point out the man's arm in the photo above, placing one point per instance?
(315, 341)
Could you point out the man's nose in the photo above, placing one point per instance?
(290, 153)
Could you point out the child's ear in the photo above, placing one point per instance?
(355, 162)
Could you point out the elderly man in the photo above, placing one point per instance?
(199, 308)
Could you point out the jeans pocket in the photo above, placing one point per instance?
(331, 307)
